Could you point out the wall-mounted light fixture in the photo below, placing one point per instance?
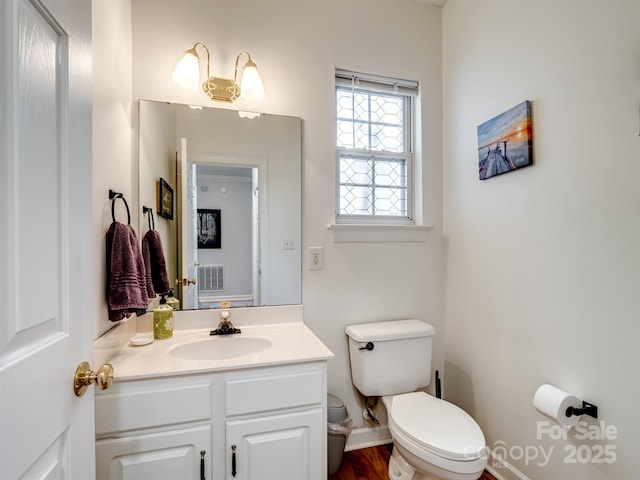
(187, 75)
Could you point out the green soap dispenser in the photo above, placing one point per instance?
(172, 301)
(162, 320)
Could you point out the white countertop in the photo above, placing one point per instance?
(291, 342)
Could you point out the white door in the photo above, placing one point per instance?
(255, 236)
(189, 246)
(46, 249)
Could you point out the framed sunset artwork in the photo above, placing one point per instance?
(505, 142)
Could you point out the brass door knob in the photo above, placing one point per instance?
(85, 377)
(186, 281)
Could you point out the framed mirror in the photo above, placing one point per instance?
(236, 231)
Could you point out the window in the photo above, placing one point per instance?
(374, 141)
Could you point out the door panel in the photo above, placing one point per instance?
(45, 242)
(188, 242)
(51, 464)
(42, 62)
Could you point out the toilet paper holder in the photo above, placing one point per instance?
(587, 409)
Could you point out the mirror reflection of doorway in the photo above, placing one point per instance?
(270, 143)
(228, 269)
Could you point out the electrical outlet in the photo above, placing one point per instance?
(316, 258)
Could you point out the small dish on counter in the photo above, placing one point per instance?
(140, 339)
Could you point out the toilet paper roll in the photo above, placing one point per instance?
(553, 403)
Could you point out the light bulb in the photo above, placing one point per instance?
(251, 86)
(187, 71)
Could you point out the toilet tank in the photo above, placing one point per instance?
(389, 358)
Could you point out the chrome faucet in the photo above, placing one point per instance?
(225, 327)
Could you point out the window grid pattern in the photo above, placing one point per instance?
(373, 184)
(373, 153)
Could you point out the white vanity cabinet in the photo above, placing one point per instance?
(154, 429)
(276, 424)
(163, 455)
(260, 423)
(283, 447)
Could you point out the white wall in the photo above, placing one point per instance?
(157, 147)
(542, 266)
(114, 142)
(297, 45)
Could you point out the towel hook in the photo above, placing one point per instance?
(150, 219)
(113, 196)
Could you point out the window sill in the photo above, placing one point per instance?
(343, 233)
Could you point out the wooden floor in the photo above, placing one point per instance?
(371, 464)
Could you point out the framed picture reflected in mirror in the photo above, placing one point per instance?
(209, 228)
(165, 199)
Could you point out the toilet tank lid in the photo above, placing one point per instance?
(389, 330)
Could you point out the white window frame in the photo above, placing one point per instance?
(375, 83)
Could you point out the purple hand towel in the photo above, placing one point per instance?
(126, 289)
(155, 265)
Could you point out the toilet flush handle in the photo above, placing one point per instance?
(368, 346)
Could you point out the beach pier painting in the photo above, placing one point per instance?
(505, 142)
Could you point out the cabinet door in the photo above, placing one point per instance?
(284, 447)
(163, 455)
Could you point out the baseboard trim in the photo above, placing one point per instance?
(368, 437)
(503, 470)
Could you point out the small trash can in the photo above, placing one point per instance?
(338, 429)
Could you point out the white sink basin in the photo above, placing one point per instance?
(220, 347)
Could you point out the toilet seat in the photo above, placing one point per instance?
(436, 426)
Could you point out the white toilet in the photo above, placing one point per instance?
(432, 438)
